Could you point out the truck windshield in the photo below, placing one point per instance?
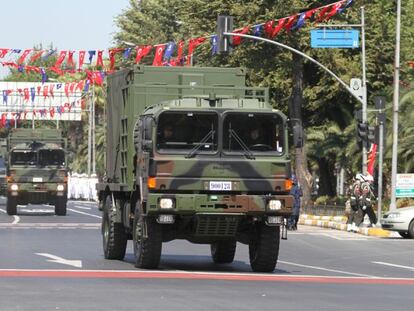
(50, 157)
(256, 133)
(186, 131)
(23, 158)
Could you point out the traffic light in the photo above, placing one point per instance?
(224, 24)
(362, 131)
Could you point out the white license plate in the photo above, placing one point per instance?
(220, 185)
(37, 179)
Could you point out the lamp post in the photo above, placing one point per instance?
(395, 108)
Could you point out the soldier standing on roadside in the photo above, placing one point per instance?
(297, 193)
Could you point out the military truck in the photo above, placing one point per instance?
(36, 169)
(3, 152)
(192, 153)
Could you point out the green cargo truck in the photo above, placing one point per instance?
(3, 152)
(36, 169)
(193, 154)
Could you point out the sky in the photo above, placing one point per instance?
(68, 24)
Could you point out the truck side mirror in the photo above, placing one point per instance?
(298, 136)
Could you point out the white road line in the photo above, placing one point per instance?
(393, 265)
(325, 269)
(2, 210)
(83, 213)
(83, 207)
(16, 220)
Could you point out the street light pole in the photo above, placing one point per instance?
(364, 89)
(396, 99)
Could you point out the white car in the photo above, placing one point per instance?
(400, 220)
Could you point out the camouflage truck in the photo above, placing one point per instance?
(3, 152)
(192, 153)
(36, 169)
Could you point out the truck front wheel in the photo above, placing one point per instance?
(11, 206)
(114, 236)
(147, 236)
(223, 251)
(60, 206)
(264, 248)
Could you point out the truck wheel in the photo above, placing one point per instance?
(11, 206)
(147, 249)
(264, 248)
(223, 251)
(113, 234)
(60, 207)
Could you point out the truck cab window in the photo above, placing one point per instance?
(51, 158)
(23, 158)
(187, 130)
(260, 133)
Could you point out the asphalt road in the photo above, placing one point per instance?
(56, 263)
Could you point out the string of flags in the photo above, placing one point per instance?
(71, 61)
(29, 94)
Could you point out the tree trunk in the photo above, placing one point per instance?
(295, 113)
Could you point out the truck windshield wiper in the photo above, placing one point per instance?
(246, 149)
(198, 145)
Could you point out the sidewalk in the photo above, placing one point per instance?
(339, 223)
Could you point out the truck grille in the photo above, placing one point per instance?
(217, 225)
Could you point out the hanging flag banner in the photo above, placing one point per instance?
(21, 102)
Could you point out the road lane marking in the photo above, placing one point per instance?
(159, 274)
(16, 220)
(325, 269)
(83, 207)
(2, 210)
(50, 226)
(393, 265)
(60, 260)
(83, 213)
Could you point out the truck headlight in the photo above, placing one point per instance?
(274, 205)
(14, 187)
(60, 187)
(166, 203)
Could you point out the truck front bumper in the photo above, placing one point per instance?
(37, 193)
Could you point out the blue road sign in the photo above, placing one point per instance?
(334, 38)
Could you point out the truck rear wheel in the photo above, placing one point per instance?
(11, 206)
(264, 248)
(147, 247)
(60, 207)
(223, 251)
(113, 234)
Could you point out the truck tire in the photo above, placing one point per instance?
(60, 207)
(114, 236)
(223, 251)
(264, 248)
(11, 206)
(147, 250)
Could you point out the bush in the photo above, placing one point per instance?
(405, 202)
(322, 200)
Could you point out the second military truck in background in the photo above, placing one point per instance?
(36, 169)
(192, 153)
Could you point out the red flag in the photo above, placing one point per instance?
(26, 94)
(52, 86)
(371, 159)
(291, 20)
(334, 9)
(322, 13)
(72, 87)
(159, 51)
(25, 114)
(36, 56)
(192, 45)
(45, 91)
(3, 52)
(60, 59)
(80, 85)
(112, 53)
(81, 58)
(23, 56)
(67, 89)
(268, 28)
(99, 59)
(236, 39)
(279, 26)
(71, 62)
(52, 112)
(142, 51)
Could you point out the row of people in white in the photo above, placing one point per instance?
(82, 187)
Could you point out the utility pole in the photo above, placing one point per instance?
(93, 132)
(364, 89)
(395, 108)
(90, 136)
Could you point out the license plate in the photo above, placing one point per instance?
(37, 179)
(220, 185)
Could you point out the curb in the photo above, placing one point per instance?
(339, 223)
